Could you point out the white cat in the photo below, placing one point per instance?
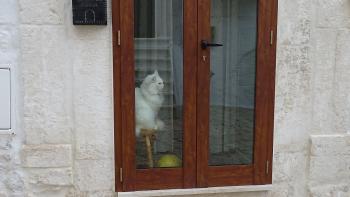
(148, 100)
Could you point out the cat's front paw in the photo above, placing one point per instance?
(160, 125)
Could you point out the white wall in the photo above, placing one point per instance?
(64, 97)
(68, 111)
(11, 140)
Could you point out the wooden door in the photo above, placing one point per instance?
(166, 47)
(215, 63)
(236, 72)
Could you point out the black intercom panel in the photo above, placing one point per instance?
(90, 12)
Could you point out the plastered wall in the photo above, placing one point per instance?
(63, 142)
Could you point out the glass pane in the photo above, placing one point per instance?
(233, 24)
(158, 83)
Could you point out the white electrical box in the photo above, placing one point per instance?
(5, 99)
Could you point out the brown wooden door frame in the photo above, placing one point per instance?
(265, 91)
(117, 94)
(260, 171)
(195, 171)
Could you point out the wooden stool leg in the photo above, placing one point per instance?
(148, 134)
(149, 151)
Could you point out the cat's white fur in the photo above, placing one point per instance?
(148, 100)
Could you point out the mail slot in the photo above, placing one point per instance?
(5, 99)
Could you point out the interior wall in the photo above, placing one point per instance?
(234, 25)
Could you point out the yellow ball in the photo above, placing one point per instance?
(169, 161)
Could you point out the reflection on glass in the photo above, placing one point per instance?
(158, 87)
(232, 82)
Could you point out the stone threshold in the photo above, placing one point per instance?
(211, 190)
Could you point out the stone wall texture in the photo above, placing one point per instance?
(63, 124)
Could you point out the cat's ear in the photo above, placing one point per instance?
(156, 73)
(154, 79)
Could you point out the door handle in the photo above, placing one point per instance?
(205, 44)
